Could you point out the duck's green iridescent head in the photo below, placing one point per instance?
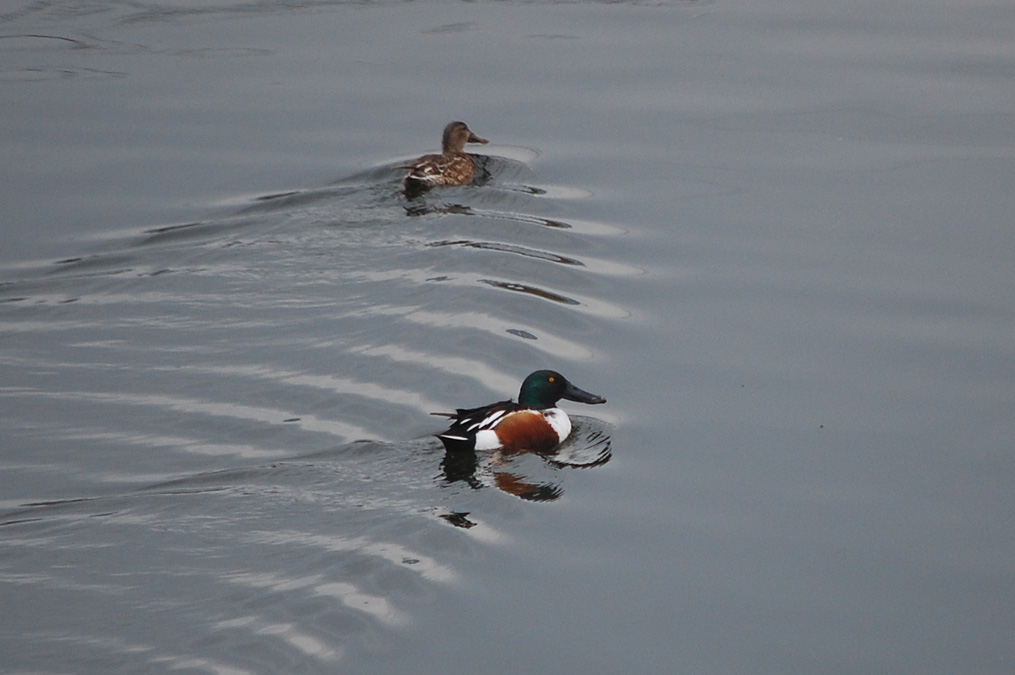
(543, 388)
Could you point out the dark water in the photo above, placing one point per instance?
(777, 238)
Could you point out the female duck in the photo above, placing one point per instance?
(452, 167)
(534, 423)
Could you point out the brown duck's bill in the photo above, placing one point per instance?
(473, 138)
(573, 393)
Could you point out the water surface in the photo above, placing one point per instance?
(776, 238)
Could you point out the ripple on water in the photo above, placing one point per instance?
(306, 319)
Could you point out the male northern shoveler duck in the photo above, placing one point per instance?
(535, 423)
(452, 167)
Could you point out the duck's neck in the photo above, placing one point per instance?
(452, 143)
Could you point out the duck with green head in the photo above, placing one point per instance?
(534, 423)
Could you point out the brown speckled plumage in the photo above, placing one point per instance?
(452, 167)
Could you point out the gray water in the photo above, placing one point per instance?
(777, 237)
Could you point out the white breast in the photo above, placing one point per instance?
(558, 419)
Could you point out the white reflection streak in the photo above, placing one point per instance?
(427, 567)
(342, 430)
(119, 645)
(348, 594)
(161, 441)
(192, 663)
(476, 370)
(487, 323)
(331, 383)
(374, 605)
(50, 582)
(307, 644)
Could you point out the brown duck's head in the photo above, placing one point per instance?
(456, 135)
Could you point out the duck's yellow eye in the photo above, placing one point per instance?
(551, 379)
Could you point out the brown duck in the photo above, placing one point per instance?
(452, 167)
